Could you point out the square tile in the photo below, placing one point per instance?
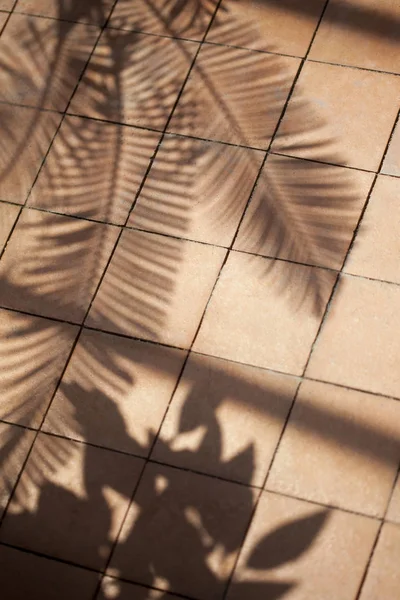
(115, 588)
(95, 13)
(25, 575)
(197, 190)
(234, 95)
(156, 288)
(393, 513)
(115, 392)
(133, 78)
(304, 211)
(8, 216)
(225, 419)
(6, 4)
(94, 169)
(299, 550)
(43, 73)
(26, 135)
(179, 518)
(363, 33)
(15, 443)
(359, 344)
(33, 353)
(75, 498)
(391, 164)
(264, 313)
(383, 578)
(284, 27)
(376, 249)
(340, 448)
(64, 259)
(341, 115)
(177, 19)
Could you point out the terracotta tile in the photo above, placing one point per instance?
(359, 344)
(184, 19)
(133, 78)
(115, 392)
(26, 135)
(94, 170)
(15, 443)
(234, 95)
(393, 513)
(95, 13)
(377, 245)
(156, 288)
(43, 74)
(363, 33)
(8, 216)
(340, 448)
(391, 164)
(179, 518)
(299, 550)
(74, 499)
(64, 259)
(3, 17)
(340, 115)
(33, 353)
(114, 588)
(6, 4)
(225, 419)
(304, 211)
(197, 190)
(264, 313)
(383, 578)
(25, 575)
(285, 27)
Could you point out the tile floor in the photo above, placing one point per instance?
(199, 299)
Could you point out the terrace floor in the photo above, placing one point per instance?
(199, 299)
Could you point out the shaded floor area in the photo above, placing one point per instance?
(199, 300)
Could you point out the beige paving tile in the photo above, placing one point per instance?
(95, 13)
(359, 344)
(156, 288)
(285, 27)
(377, 245)
(263, 313)
(115, 392)
(363, 33)
(26, 137)
(391, 164)
(114, 588)
(140, 87)
(393, 513)
(179, 518)
(8, 216)
(25, 575)
(3, 17)
(234, 95)
(15, 443)
(304, 211)
(33, 353)
(299, 550)
(185, 19)
(197, 190)
(6, 4)
(341, 115)
(340, 448)
(94, 170)
(225, 419)
(43, 73)
(64, 259)
(74, 498)
(383, 578)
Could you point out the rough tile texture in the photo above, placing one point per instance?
(70, 11)
(391, 164)
(114, 588)
(302, 550)
(383, 579)
(8, 216)
(359, 345)
(340, 448)
(393, 513)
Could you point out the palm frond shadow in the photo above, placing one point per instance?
(295, 213)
